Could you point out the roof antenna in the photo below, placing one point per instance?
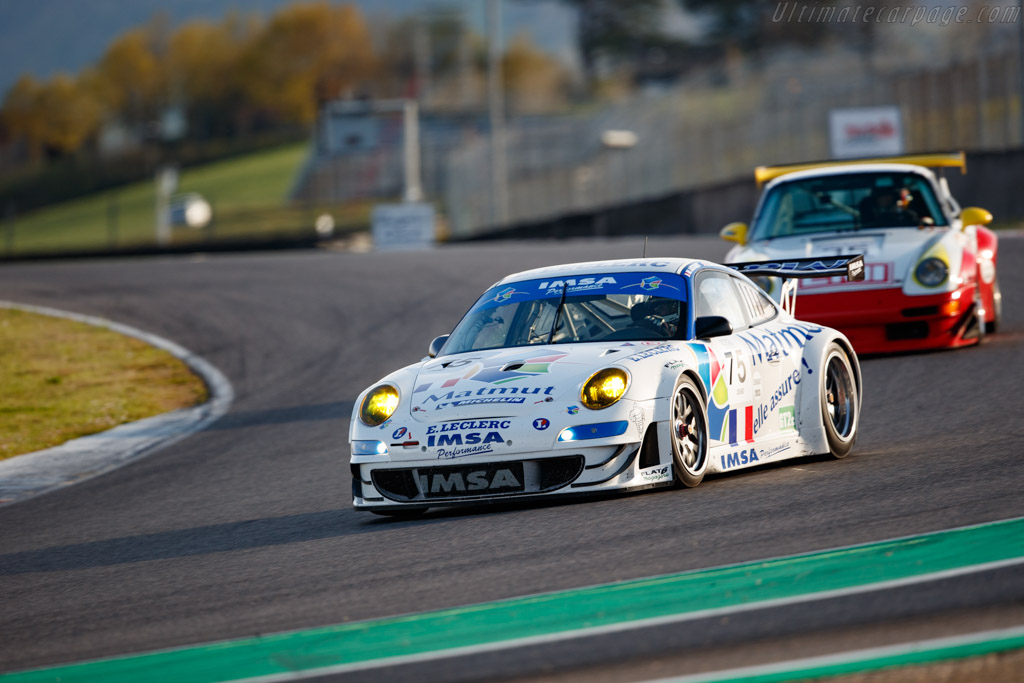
(645, 247)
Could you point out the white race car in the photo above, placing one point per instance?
(607, 376)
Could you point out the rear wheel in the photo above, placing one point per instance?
(689, 424)
(840, 401)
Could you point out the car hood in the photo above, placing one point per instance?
(890, 255)
(510, 382)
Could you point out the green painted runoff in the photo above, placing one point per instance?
(559, 614)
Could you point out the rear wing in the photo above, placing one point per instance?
(850, 267)
(790, 270)
(763, 174)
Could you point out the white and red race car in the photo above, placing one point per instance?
(930, 266)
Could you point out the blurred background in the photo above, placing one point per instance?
(147, 124)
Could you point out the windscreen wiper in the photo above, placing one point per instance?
(558, 311)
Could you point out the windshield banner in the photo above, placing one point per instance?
(667, 285)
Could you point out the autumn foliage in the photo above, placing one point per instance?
(230, 77)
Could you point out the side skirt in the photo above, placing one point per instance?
(731, 457)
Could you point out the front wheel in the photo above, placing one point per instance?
(840, 401)
(997, 309)
(689, 424)
(976, 329)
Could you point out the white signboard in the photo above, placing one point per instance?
(403, 226)
(352, 132)
(865, 132)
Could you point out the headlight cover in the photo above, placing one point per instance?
(604, 388)
(378, 405)
(931, 272)
(369, 448)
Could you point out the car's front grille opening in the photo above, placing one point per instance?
(558, 472)
(920, 311)
(396, 484)
(902, 331)
(479, 480)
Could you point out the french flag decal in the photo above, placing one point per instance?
(748, 425)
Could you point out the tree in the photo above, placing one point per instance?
(754, 25)
(56, 117)
(735, 22)
(70, 114)
(307, 54)
(534, 80)
(611, 30)
(21, 113)
(129, 77)
(433, 56)
(203, 70)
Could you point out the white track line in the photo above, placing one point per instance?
(29, 475)
(623, 627)
(797, 666)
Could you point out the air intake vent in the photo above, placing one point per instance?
(482, 480)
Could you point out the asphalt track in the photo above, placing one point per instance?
(245, 528)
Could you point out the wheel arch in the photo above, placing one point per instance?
(988, 239)
(988, 256)
(692, 374)
(846, 346)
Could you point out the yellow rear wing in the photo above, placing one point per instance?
(763, 174)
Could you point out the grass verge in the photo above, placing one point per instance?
(249, 196)
(64, 379)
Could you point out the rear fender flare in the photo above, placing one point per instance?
(809, 397)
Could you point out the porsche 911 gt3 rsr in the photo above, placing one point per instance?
(606, 376)
(930, 272)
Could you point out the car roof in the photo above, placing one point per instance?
(845, 169)
(653, 265)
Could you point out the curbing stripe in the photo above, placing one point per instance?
(31, 474)
(863, 661)
(619, 627)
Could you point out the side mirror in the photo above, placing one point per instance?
(435, 346)
(708, 326)
(734, 232)
(974, 215)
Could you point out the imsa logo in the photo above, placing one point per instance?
(739, 458)
(473, 481)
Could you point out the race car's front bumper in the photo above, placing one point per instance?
(381, 485)
(890, 321)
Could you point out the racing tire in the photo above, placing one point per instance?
(997, 306)
(976, 328)
(688, 423)
(840, 401)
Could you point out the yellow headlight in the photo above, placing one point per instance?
(379, 405)
(604, 388)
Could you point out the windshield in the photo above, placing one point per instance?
(847, 201)
(584, 308)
